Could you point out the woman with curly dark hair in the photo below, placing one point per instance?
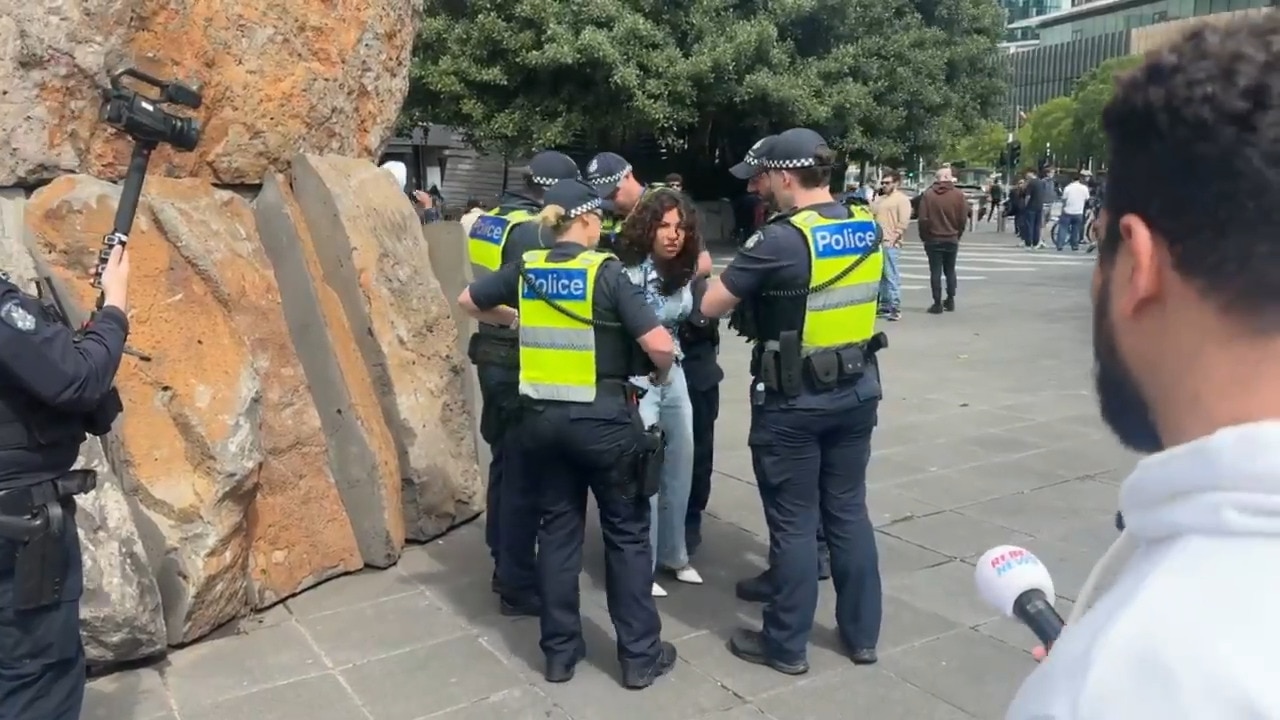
(660, 247)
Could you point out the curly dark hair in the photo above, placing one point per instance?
(635, 239)
(1194, 140)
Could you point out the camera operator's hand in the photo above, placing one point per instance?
(424, 199)
(115, 279)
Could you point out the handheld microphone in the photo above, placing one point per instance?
(1015, 582)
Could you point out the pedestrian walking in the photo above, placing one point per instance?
(944, 212)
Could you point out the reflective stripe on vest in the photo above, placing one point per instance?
(488, 234)
(557, 352)
(845, 313)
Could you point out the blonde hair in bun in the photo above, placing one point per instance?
(551, 216)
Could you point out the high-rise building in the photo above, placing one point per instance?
(1017, 11)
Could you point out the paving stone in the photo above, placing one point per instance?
(524, 703)
(955, 535)
(385, 627)
(736, 462)
(737, 502)
(887, 506)
(322, 696)
(903, 624)
(1001, 443)
(127, 695)
(359, 588)
(1054, 509)
(967, 669)
(889, 466)
(742, 712)
(857, 692)
(898, 557)
(432, 679)
(982, 481)
(205, 673)
(708, 652)
(945, 590)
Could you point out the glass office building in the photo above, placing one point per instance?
(1018, 10)
(1107, 17)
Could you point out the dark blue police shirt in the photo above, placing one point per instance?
(701, 368)
(42, 364)
(777, 258)
(615, 300)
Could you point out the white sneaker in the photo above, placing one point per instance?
(658, 591)
(688, 575)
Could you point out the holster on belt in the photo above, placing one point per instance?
(34, 517)
(790, 364)
(652, 455)
(495, 346)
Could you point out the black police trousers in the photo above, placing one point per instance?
(42, 663)
(511, 521)
(568, 450)
(811, 470)
(706, 408)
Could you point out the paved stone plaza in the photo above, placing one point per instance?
(988, 435)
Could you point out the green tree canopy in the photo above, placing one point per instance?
(880, 78)
(1048, 130)
(982, 147)
(1091, 95)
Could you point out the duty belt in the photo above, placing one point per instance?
(28, 512)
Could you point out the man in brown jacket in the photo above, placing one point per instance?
(943, 216)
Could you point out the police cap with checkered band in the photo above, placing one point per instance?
(794, 149)
(750, 165)
(549, 167)
(575, 196)
(606, 170)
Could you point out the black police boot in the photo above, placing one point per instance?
(639, 678)
(949, 304)
(754, 589)
(935, 309)
(561, 671)
(529, 607)
(863, 656)
(749, 645)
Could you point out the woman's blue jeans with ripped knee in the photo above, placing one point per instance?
(669, 407)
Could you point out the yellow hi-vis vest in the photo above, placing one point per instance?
(610, 226)
(845, 313)
(558, 352)
(488, 234)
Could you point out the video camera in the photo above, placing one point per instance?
(142, 119)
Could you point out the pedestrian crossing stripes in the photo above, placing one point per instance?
(976, 261)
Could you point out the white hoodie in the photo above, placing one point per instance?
(1190, 627)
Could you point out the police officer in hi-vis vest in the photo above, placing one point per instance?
(584, 329)
(498, 237)
(613, 177)
(805, 288)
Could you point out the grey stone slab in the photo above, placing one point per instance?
(348, 591)
(523, 703)
(1004, 443)
(948, 454)
(737, 502)
(857, 692)
(1060, 432)
(955, 535)
(708, 653)
(683, 693)
(898, 556)
(322, 696)
(1069, 565)
(1104, 455)
(887, 506)
(735, 462)
(427, 680)
(742, 712)
(1050, 510)
(1053, 406)
(945, 590)
(903, 624)
(888, 466)
(206, 673)
(384, 627)
(967, 669)
(127, 695)
(982, 481)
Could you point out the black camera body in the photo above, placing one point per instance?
(143, 119)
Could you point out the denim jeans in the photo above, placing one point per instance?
(890, 281)
(670, 408)
(1072, 227)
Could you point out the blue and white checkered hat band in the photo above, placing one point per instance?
(611, 179)
(588, 206)
(787, 164)
(544, 181)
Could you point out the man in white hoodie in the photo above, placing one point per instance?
(1179, 619)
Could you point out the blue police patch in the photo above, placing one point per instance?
(850, 238)
(489, 228)
(17, 317)
(555, 284)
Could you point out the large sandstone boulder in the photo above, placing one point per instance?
(278, 77)
(372, 255)
(361, 448)
(219, 444)
(120, 611)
